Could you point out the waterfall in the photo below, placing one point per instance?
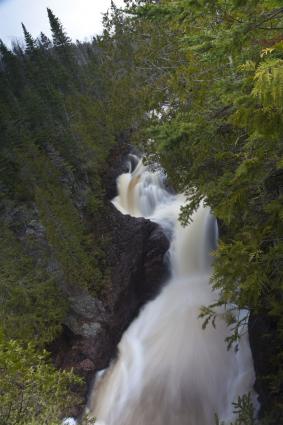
(169, 370)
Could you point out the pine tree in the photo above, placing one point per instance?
(30, 42)
(6, 54)
(11, 65)
(44, 41)
(223, 138)
(60, 38)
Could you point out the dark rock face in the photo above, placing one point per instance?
(137, 251)
(257, 329)
(262, 335)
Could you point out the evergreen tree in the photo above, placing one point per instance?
(6, 54)
(44, 41)
(56, 130)
(60, 38)
(30, 42)
(219, 67)
(221, 143)
(12, 73)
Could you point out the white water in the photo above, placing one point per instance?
(169, 370)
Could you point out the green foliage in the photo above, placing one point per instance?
(56, 137)
(31, 390)
(59, 120)
(243, 408)
(32, 307)
(221, 142)
(65, 234)
(268, 87)
(60, 38)
(30, 43)
(217, 66)
(63, 107)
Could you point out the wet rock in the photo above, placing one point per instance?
(262, 334)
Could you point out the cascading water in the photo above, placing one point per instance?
(169, 370)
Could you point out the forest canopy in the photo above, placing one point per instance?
(198, 84)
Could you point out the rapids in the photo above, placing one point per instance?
(169, 371)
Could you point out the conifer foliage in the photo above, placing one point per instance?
(56, 135)
(63, 106)
(30, 43)
(199, 85)
(60, 38)
(220, 141)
